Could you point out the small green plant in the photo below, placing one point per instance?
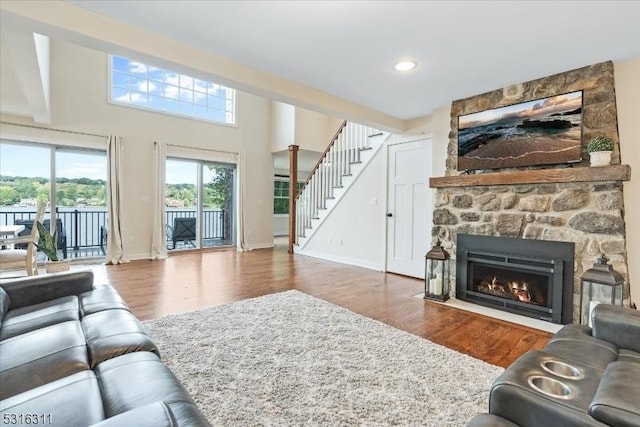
(48, 243)
(600, 143)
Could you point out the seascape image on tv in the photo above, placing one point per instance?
(538, 132)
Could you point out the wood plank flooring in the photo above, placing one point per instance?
(197, 280)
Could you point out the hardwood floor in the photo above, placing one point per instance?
(193, 281)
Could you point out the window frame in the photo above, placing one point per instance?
(193, 103)
(285, 179)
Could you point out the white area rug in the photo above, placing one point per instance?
(292, 359)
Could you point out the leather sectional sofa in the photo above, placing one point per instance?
(72, 354)
(584, 377)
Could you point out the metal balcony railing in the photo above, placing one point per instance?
(82, 226)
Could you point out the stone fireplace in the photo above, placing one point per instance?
(571, 203)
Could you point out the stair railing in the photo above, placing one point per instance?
(343, 151)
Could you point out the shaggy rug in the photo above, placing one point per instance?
(292, 359)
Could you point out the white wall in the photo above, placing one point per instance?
(314, 130)
(354, 232)
(79, 103)
(627, 81)
(440, 138)
(283, 123)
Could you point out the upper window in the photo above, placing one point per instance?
(145, 86)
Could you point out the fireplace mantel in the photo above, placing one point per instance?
(536, 176)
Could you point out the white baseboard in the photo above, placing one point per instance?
(252, 246)
(342, 260)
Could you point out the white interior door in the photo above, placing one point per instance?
(408, 208)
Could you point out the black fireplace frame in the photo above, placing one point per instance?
(552, 258)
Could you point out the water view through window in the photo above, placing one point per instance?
(71, 179)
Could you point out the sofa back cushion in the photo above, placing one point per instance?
(4, 304)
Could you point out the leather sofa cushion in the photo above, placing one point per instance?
(617, 400)
(102, 297)
(112, 333)
(513, 398)
(575, 343)
(41, 356)
(70, 401)
(137, 379)
(617, 325)
(32, 317)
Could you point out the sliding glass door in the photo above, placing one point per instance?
(72, 181)
(200, 204)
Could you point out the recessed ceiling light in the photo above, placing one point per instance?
(404, 65)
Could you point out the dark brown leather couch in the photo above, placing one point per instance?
(72, 354)
(584, 377)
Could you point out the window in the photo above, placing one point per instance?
(74, 182)
(281, 195)
(144, 86)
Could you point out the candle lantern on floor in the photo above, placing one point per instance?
(436, 277)
(601, 283)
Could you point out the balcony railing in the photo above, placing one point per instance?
(82, 227)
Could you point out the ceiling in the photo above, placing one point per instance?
(346, 49)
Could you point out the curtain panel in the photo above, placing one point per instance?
(115, 247)
(158, 240)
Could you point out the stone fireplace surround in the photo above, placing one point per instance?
(589, 213)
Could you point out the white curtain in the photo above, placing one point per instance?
(158, 241)
(115, 249)
(241, 195)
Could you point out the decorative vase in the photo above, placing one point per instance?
(57, 266)
(600, 158)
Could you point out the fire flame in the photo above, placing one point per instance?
(518, 289)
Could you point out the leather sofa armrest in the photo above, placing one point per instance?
(617, 325)
(152, 415)
(37, 289)
(158, 414)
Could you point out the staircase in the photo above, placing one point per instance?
(345, 157)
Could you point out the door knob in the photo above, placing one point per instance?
(389, 214)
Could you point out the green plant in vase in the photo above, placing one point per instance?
(600, 149)
(600, 143)
(48, 244)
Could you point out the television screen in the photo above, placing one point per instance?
(539, 132)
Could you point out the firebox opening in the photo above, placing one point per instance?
(514, 285)
(528, 277)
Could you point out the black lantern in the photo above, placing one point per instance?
(436, 275)
(601, 283)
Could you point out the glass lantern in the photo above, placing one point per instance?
(436, 277)
(601, 283)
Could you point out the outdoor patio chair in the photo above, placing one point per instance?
(62, 235)
(103, 239)
(23, 258)
(184, 229)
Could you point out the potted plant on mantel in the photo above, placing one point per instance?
(600, 149)
(49, 245)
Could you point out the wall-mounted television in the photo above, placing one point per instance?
(538, 132)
